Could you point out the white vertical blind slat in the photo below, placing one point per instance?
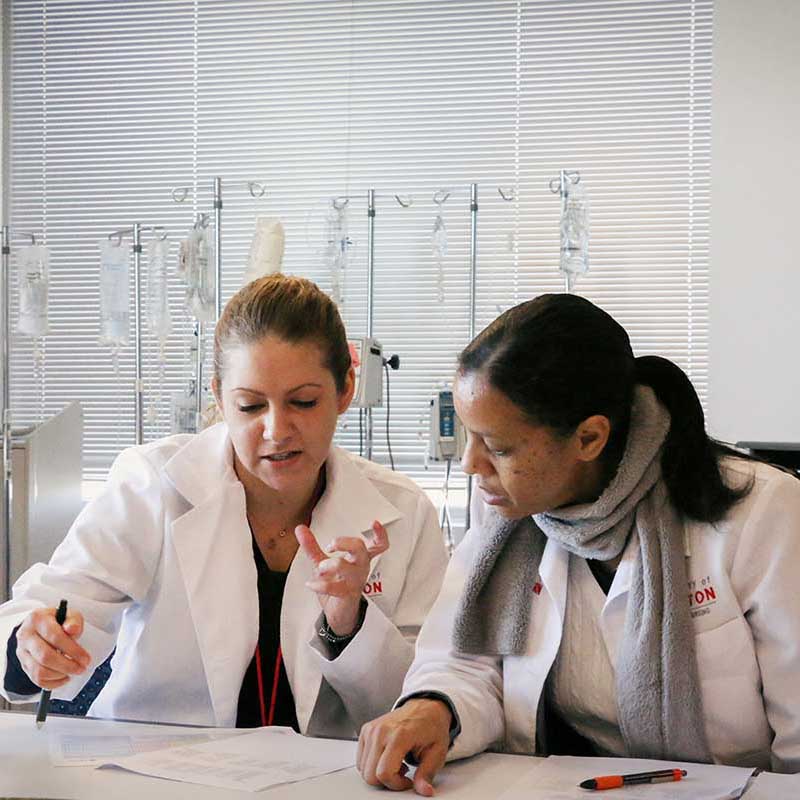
(113, 104)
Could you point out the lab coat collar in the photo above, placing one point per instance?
(621, 584)
(198, 468)
(351, 502)
(214, 547)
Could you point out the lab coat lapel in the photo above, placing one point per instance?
(524, 676)
(214, 547)
(350, 504)
(348, 507)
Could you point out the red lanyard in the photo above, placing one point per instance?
(268, 720)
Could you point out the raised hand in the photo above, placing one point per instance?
(341, 572)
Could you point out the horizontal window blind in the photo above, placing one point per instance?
(115, 104)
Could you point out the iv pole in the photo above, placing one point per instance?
(473, 269)
(138, 386)
(217, 303)
(179, 194)
(5, 410)
(370, 304)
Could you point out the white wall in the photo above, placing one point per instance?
(755, 222)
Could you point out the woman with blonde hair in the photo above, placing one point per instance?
(188, 562)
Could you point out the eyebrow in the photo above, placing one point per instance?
(289, 391)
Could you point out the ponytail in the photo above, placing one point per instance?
(690, 458)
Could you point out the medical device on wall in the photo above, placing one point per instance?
(115, 318)
(367, 357)
(33, 266)
(446, 433)
(446, 441)
(266, 249)
(574, 251)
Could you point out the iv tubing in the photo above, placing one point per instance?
(137, 326)
(370, 301)
(473, 270)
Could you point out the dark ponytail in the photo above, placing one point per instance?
(560, 359)
(690, 459)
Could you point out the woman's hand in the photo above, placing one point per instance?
(47, 651)
(420, 727)
(339, 579)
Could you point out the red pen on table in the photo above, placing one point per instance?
(615, 781)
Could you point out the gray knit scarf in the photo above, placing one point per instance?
(658, 697)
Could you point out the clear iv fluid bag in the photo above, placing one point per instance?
(157, 316)
(33, 265)
(439, 250)
(337, 244)
(197, 266)
(114, 294)
(575, 231)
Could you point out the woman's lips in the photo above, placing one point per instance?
(492, 498)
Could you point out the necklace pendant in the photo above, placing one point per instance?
(282, 533)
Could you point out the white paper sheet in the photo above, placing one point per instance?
(250, 762)
(80, 750)
(557, 778)
(769, 786)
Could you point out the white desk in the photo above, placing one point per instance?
(26, 771)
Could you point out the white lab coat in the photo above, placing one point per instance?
(161, 566)
(744, 593)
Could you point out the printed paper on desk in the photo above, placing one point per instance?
(557, 778)
(770, 786)
(81, 750)
(250, 762)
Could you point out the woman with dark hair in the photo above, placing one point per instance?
(628, 586)
(252, 574)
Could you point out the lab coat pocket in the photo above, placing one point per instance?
(730, 685)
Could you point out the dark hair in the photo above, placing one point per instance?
(561, 359)
(292, 308)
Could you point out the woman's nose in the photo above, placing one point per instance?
(277, 427)
(469, 458)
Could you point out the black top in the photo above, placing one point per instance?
(603, 577)
(270, 600)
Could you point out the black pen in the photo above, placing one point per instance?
(44, 700)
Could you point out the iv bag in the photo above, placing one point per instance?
(337, 244)
(266, 249)
(183, 411)
(439, 248)
(574, 232)
(33, 267)
(200, 275)
(114, 294)
(157, 315)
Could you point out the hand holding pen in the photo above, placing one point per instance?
(44, 700)
(615, 781)
(46, 646)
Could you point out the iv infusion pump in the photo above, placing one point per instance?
(446, 437)
(367, 356)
